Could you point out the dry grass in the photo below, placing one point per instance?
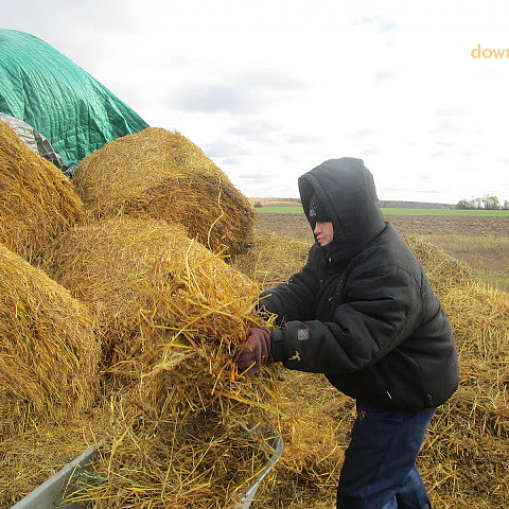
(37, 201)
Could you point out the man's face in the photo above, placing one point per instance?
(324, 232)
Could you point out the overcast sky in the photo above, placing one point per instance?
(271, 88)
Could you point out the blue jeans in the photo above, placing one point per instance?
(379, 471)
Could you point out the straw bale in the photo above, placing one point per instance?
(166, 176)
(145, 280)
(37, 201)
(48, 347)
(182, 414)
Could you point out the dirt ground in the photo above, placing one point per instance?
(296, 225)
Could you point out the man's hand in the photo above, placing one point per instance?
(255, 352)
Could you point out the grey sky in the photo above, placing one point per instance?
(270, 89)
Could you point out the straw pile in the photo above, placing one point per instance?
(164, 175)
(464, 455)
(444, 272)
(30, 457)
(160, 456)
(37, 201)
(172, 313)
(145, 280)
(48, 348)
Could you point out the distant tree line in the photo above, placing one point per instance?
(487, 202)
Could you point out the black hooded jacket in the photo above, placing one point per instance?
(362, 310)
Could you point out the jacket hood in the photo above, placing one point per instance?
(346, 191)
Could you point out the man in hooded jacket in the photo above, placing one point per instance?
(363, 312)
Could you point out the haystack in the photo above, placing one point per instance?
(37, 201)
(147, 281)
(48, 348)
(164, 175)
(173, 314)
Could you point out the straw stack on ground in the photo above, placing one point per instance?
(444, 272)
(173, 313)
(48, 348)
(37, 201)
(166, 176)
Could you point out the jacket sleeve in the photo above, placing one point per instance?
(382, 307)
(295, 299)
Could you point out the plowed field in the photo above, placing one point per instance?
(296, 225)
(483, 242)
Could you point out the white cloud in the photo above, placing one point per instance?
(215, 99)
(273, 88)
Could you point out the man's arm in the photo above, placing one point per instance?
(382, 308)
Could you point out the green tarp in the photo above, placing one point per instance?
(42, 87)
